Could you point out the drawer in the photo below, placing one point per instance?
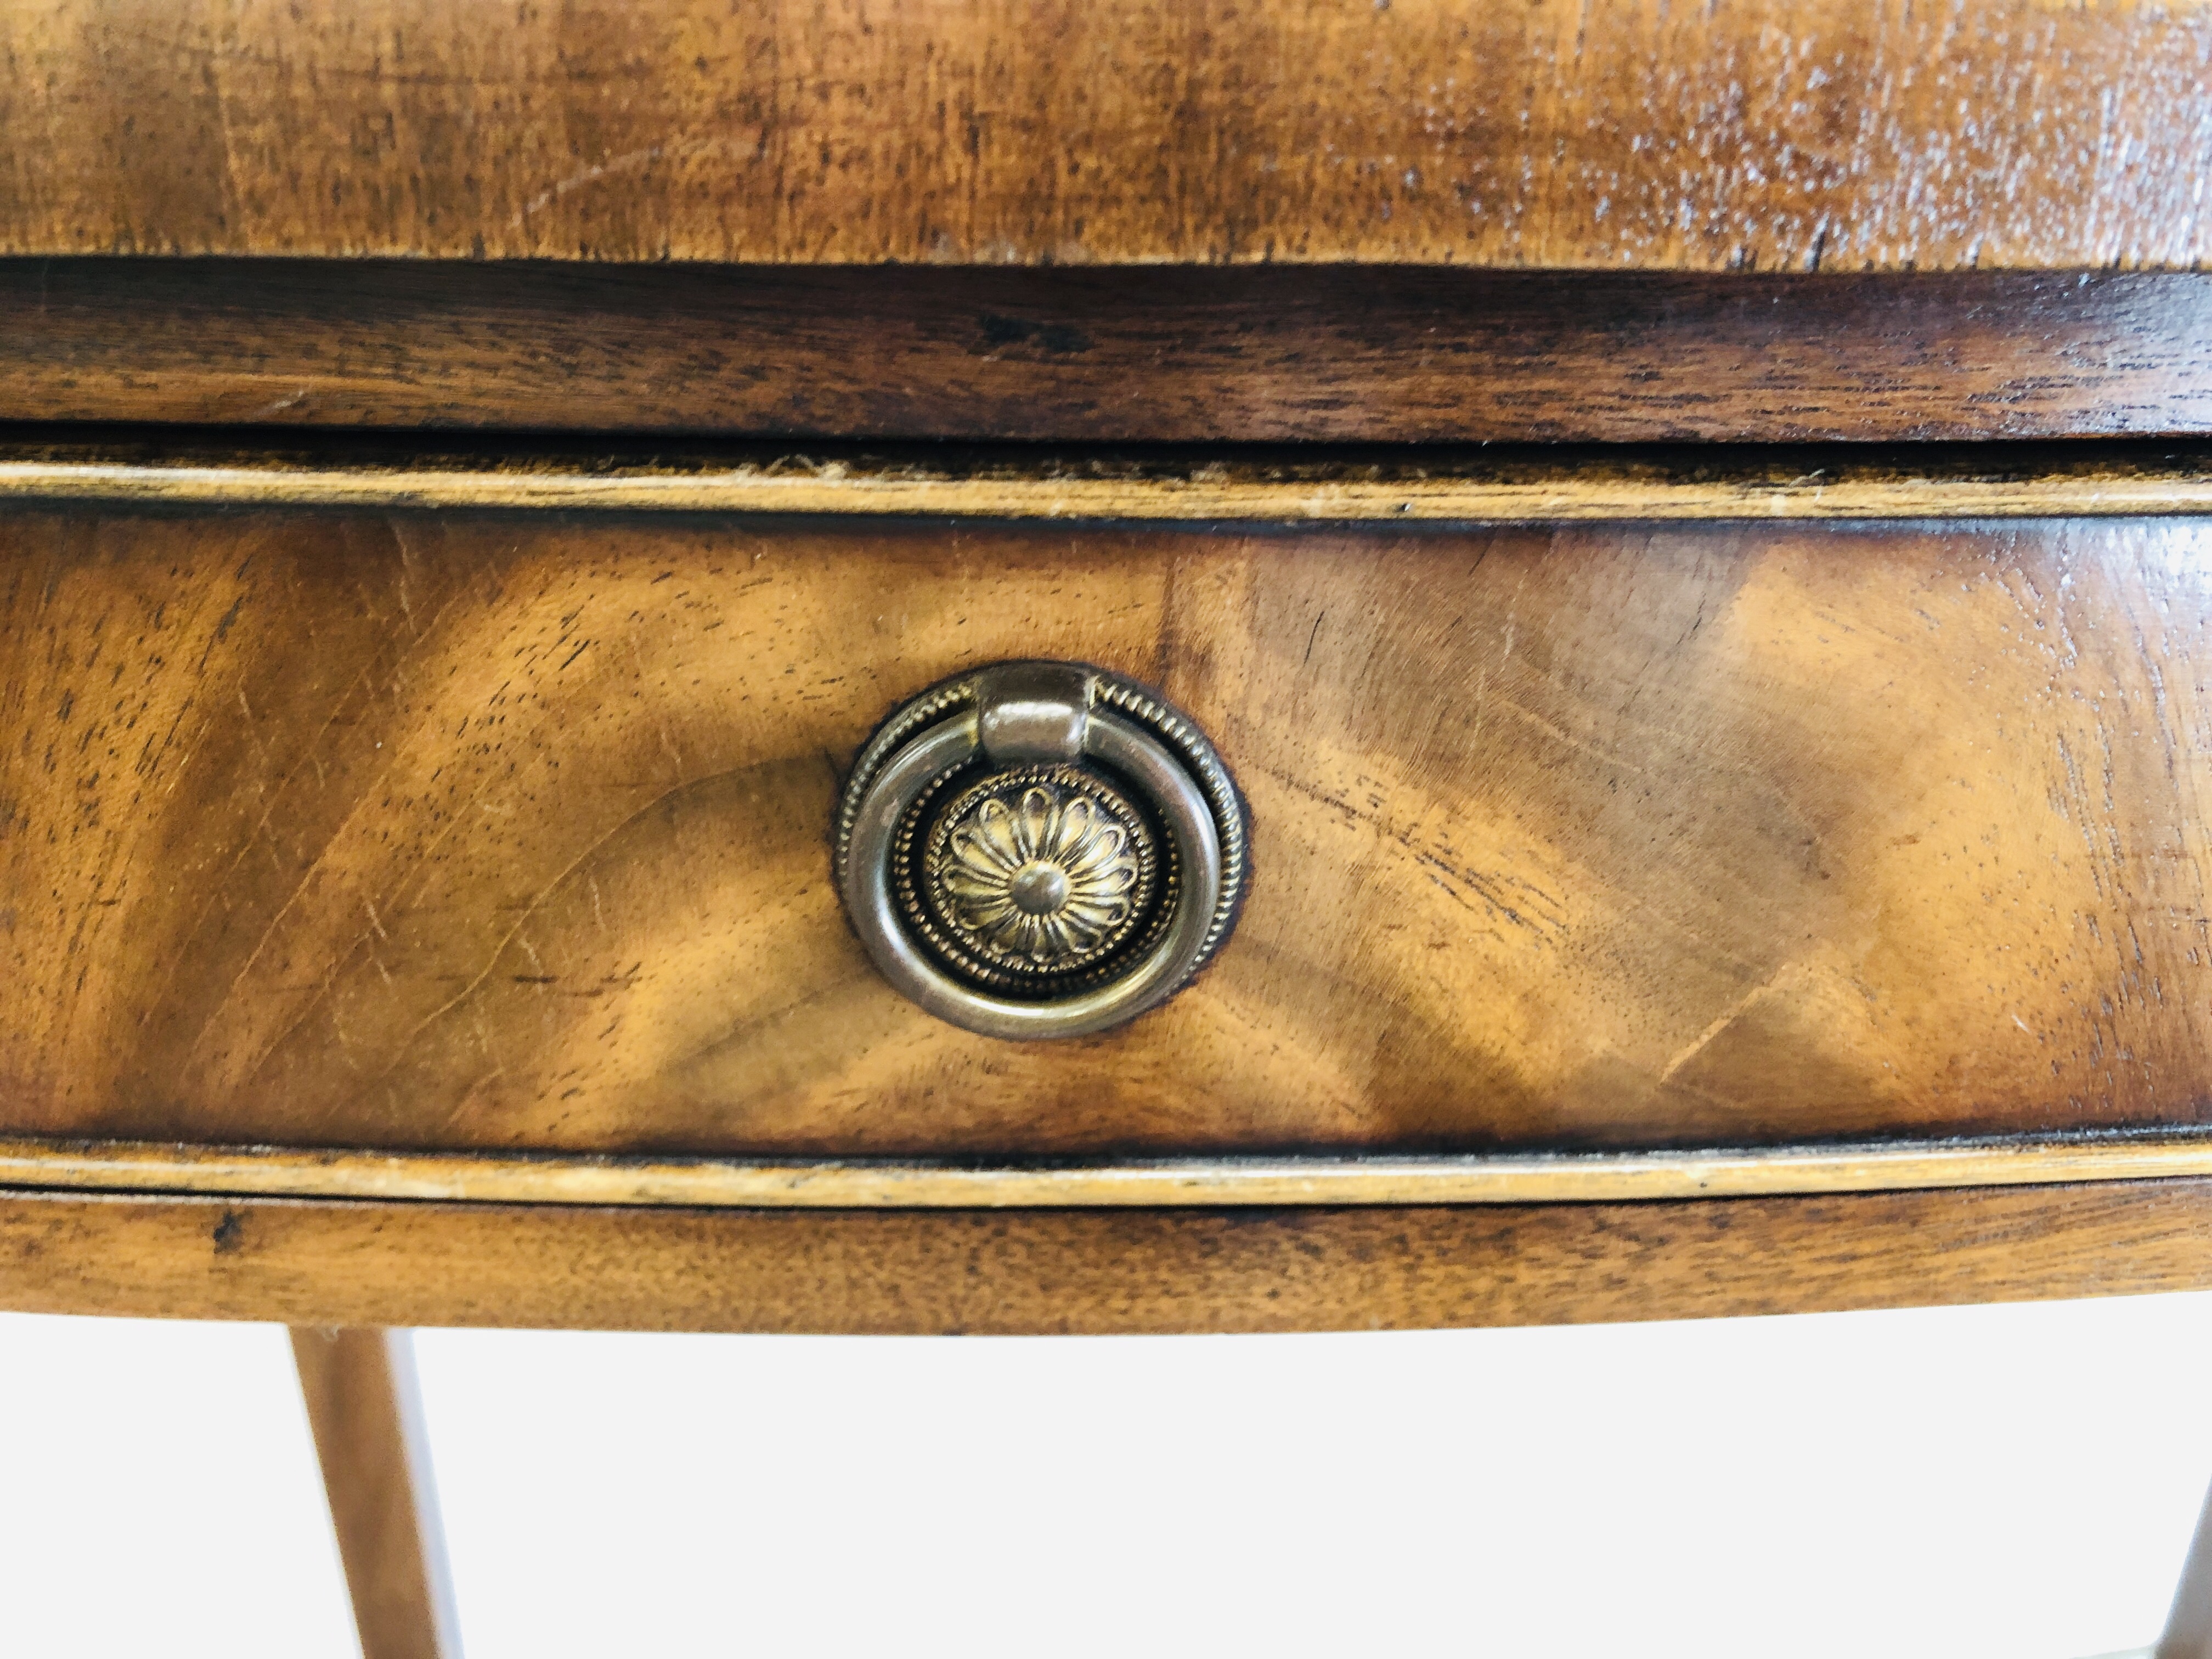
(458, 880)
(443, 826)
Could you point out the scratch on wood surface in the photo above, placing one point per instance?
(630, 161)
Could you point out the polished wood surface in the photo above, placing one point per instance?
(1038, 1272)
(1291, 486)
(362, 1400)
(499, 831)
(1157, 354)
(1751, 135)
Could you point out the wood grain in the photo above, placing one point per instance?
(507, 831)
(1754, 135)
(1151, 355)
(1243, 1182)
(1290, 486)
(1077, 1271)
(367, 1411)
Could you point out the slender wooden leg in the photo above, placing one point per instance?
(362, 1398)
(2188, 1626)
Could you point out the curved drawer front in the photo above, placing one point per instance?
(410, 830)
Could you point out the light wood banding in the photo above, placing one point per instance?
(1567, 1178)
(2118, 482)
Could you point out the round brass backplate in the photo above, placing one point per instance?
(1038, 849)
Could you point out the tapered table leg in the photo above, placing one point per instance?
(362, 1398)
(2188, 1626)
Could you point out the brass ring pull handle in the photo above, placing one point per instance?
(1040, 849)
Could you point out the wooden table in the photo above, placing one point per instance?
(1685, 527)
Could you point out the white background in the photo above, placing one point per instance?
(2015, 1482)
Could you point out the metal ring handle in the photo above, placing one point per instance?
(1009, 720)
